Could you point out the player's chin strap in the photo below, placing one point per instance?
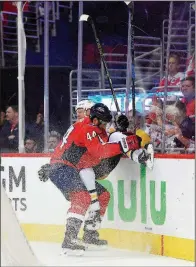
(99, 121)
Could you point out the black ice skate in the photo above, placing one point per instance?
(92, 241)
(71, 245)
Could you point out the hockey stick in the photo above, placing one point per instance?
(131, 13)
(88, 19)
(149, 149)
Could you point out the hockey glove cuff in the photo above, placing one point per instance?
(131, 142)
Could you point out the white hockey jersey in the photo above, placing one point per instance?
(173, 80)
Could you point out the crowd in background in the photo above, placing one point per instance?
(179, 127)
(34, 133)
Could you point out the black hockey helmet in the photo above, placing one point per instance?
(101, 112)
(122, 123)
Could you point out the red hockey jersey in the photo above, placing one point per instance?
(84, 146)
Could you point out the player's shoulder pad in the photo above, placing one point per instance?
(78, 124)
(86, 120)
(116, 136)
(79, 121)
(82, 122)
(91, 128)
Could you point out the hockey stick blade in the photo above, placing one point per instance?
(84, 17)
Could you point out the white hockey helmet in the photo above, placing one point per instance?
(84, 104)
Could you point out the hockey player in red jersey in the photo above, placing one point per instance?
(101, 171)
(83, 147)
(83, 109)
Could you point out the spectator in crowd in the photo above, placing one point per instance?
(2, 119)
(175, 77)
(37, 130)
(9, 131)
(153, 123)
(53, 140)
(188, 91)
(183, 128)
(179, 129)
(30, 145)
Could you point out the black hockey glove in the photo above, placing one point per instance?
(122, 123)
(44, 172)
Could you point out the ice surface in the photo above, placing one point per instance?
(49, 255)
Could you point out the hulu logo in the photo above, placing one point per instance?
(129, 214)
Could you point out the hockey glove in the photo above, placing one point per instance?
(131, 142)
(139, 156)
(122, 123)
(44, 172)
(150, 151)
(143, 156)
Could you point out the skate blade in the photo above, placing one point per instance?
(70, 252)
(91, 247)
(150, 161)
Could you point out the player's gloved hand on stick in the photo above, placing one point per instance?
(122, 123)
(131, 142)
(143, 156)
(150, 151)
(44, 172)
(139, 156)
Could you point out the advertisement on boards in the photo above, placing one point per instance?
(159, 201)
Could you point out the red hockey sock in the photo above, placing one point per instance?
(80, 201)
(104, 199)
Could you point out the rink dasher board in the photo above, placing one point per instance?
(148, 211)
